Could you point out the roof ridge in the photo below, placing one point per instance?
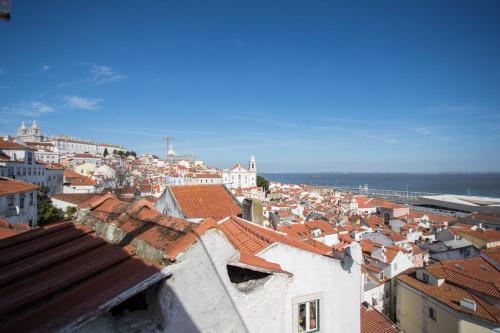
(471, 277)
(253, 232)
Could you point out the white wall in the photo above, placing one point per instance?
(312, 274)
(200, 297)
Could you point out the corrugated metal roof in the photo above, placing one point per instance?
(63, 275)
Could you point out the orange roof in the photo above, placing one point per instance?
(487, 235)
(296, 230)
(10, 229)
(11, 186)
(251, 238)
(373, 321)
(474, 274)
(451, 295)
(324, 226)
(166, 233)
(205, 201)
(75, 198)
(11, 145)
(493, 253)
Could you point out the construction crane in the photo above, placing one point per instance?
(170, 150)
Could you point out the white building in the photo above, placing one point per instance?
(235, 276)
(20, 163)
(63, 144)
(18, 202)
(240, 177)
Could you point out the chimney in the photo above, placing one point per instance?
(468, 304)
(253, 211)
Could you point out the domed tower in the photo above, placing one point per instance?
(252, 165)
(35, 130)
(22, 130)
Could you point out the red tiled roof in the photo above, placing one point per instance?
(251, 238)
(9, 229)
(373, 321)
(296, 230)
(474, 274)
(11, 145)
(487, 235)
(493, 253)
(75, 198)
(82, 181)
(451, 295)
(11, 186)
(205, 201)
(55, 276)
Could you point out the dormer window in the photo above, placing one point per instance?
(425, 277)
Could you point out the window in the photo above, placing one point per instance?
(31, 199)
(432, 313)
(309, 316)
(425, 277)
(21, 201)
(11, 201)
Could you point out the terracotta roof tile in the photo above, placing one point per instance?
(11, 186)
(451, 295)
(205, 201)
(373, 321)
(54, 276)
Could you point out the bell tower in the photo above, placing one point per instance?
(252, 165)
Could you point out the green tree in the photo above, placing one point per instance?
(263, 182)
(70, 212)
(47, 212)
(106, 152)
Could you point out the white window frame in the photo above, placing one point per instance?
(304, 299)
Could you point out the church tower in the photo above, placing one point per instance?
(22, 130)
(252, 165)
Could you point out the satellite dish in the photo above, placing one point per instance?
(354, 251)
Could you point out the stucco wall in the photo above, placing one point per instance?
(200, 297)
(340, 289)
(413, 315)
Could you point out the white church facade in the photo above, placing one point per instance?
(240, 177)
(60, 144)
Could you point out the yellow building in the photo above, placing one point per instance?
(482, 238)
(453, 296)
(85, 169)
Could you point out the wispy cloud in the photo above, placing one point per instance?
(45, 68)
(31, 109)
(458, 109)
(96, 75)
(105, 74)
(2, 72)
(82, 103)
(423, 130)
(385, 138)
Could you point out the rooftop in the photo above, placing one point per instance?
(62, 275)
(11, 186)
(205, 201)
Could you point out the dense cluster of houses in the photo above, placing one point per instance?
(159, 246)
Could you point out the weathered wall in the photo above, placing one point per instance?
(200, 297)
(313, 274)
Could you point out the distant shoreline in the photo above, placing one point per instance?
(382, 172)
(485, 184)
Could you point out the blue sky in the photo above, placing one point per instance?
(304, 86)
